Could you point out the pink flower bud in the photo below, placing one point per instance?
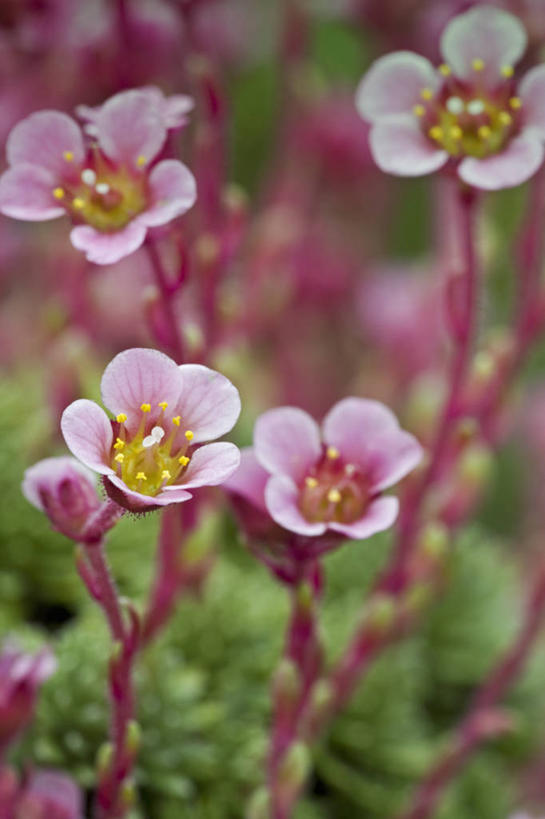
(20, 678)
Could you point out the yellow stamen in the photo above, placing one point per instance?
(332, 452)
(515, 103)
(312, 483)
(78, 203)
(68, 155)
(183, 460)
(505, 118)
(119, 458)
(163, 405)
(436, 132)
(121, 418)
(477, 64)
(456, 132)
(426, 93)
(145, 407)
(165, 475)
(419, 110)
(58, 193)
(484, 132)
(119, 444)
(507, 70)
(176, 420)
(333, 496)
(141, 476)
(189, 434)
(141, 161)
(444, 69)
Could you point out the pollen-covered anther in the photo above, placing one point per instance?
(68, 155)
(58, 193)
(163, 405)
(477, 64)
(145, 407)
(456, 132)
(121, 418)
(119, 458)
(484, 132)
(176, 420)
(189, 434)
(88, 176)
(312, 483)
(78, 203)
(436, 132)
(141, 161)
(141, 476)
(505, 118)
(419, 110)
(119, 444)
(445, 70)
(515, 103)
(332, 452)
(183, 460)
(165, 475)
(507, 71)
(334, 496)
(155, 437)
(426, 93)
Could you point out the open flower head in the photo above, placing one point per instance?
(108, 183)
(150, 451)
(470, 110)
(330, 478)
(50, 794)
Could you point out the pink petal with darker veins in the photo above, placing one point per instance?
(173, 191)
(26, 192)
(287, 441)
(107, 248)
(88, 434)
(208, 403)
(210, 465)
(43, 138)
(130, 129)
(281, 499)
(379, 515)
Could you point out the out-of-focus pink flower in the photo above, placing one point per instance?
(470, 110)
(21, 675)
(65, 490)
(45, 794)
(172, 110)
(333, 478)
(110, 187)
(148, 454)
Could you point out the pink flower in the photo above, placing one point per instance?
(48, 794)
(329, 479)
(21, 675)
(110, 186)
(470, 111)
(65, 490)
(148, 454)
(173, 110)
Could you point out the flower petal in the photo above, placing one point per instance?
(399, 147)
(532, 93)
(354, 422)
(287, 441)
(173, 191)
(107, 248)
(210, 465)
(379, 515)
(249, 479)
(130, 128)
(208, 403)
(52, 471)
(391, 457)
(137, 502)
(513, 166)
(393, 85)
(59, 795)
(43, 139)
(140, 376)
(26, 192)
(483, 33)
(281, 499)
(88, 434)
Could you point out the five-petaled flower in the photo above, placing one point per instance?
(108, 182)
(149, 453)
(313, 480)
(470, 111)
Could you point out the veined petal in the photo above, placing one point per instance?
(281, 499)
(354, 422)
(88, 434)
(520, 159)
(52, 471)
(399, 147)
(393, 85)
(210, 465)
(49, 139)
(137, 502)
(532, 93)
(173, 191)
(483, 33)
(249, 479)
(26, 192)
(107, 248)
(287, 441)
(209, 404)
(130, 128)
(379, 515)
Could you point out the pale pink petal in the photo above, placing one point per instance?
(400, 147)
(136, 501)
(532, 93)
(249, 479)
(57, 793)
(287, 441)
(390, 457)
(210, 465)
(107, 248)
(393, 85)
(52, 471)
(26, 192)
(514, 165)
(43, 138)
(130, 128)
(351, 424)
(483, 33)
(173, 191)
(379, 515)
(282, 501)
(141, 376)
(176, 108)
(209, 405)
(88, 434)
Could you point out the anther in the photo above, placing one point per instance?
(426, 93)
(68, 155)
(419, 110)
(456, 132)
(505, 118)
(102, 188)
(183, 460)
(332, 452)
(163, 405)
(484, 132)
(436, 132)
(78, 203)
(455, 105)
(155, 437)
(176, 420)
(141, 476)
(477, 64)
(141, 161)
(312, 483)
(515, 103)
(88, 176)
(475, 107)
(58, 193)
(121, 418)
(507, 70)
(145, 407)
(444, 69)
(333, 496)
(119, 444)
(119, 458)
(165, 475)
(189, 434)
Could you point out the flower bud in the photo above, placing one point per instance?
(65, 491)
(20, 678)
(294, 768)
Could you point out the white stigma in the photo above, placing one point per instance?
(88, 176)
(154, 437)
(475, 107)
(455, 105)
(102, 187)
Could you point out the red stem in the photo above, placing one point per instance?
(166, 295)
